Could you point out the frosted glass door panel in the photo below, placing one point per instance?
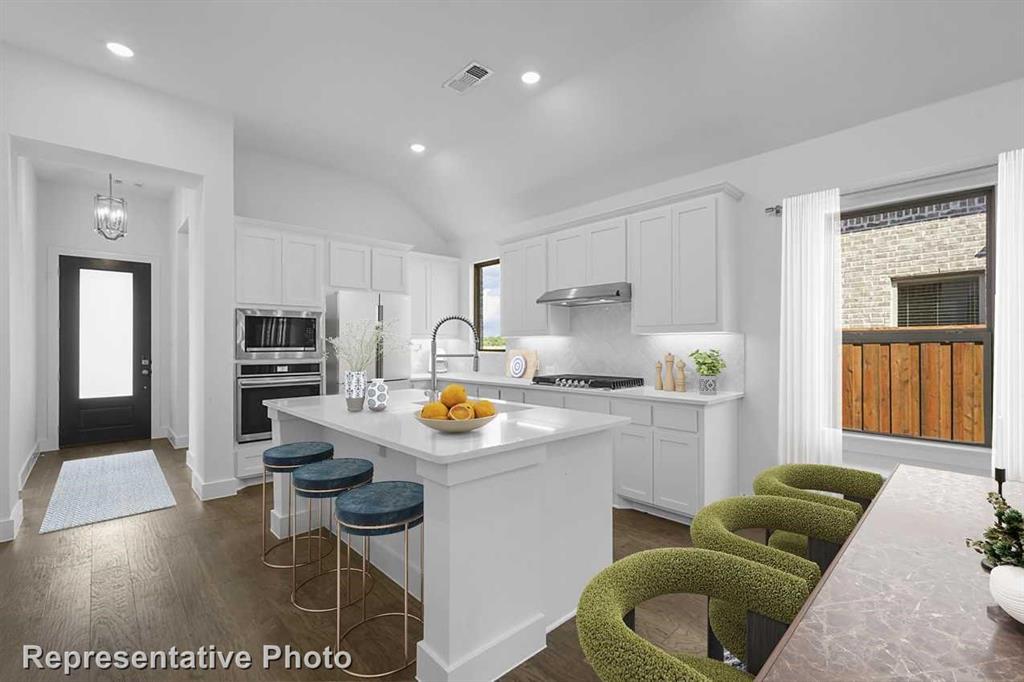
(105, 334)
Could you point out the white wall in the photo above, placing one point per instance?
(24, 247)
(65, 228)
(955, 133)
(52, 102)
(183, 212)
(283, 190)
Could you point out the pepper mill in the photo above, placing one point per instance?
(670, 384)
(657, 381)
(680, 377)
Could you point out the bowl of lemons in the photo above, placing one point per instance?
(455, 412)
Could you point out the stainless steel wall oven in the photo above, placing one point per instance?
(256, 383)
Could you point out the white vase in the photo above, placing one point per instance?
(355, 390)
(377, 395)
(1006, 583)
(708, 385)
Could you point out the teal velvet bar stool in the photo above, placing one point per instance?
(380, 508)
(285, 459)
(321, 481)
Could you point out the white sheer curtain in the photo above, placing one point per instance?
(1008, 335)
(810, 380)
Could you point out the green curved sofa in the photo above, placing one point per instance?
(617, 654)
(801, 481)
(714, 527)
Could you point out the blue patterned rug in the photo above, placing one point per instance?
(108, 487)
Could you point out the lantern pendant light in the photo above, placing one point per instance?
(111, 213)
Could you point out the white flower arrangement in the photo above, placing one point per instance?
(359, 341)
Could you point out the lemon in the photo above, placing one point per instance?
(483, 408)
(453, 394)
(436, 410)
(461, 412)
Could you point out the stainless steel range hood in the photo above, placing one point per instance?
(595, 294)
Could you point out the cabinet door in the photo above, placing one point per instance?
(676, 471)
(544, 398)
(634, 455)
(567, 251)
(444, 297)
(349, 266)
(489, 392)
(535, 283)
(650, 268)
(388, 270)
(513, 395)
(419, 296)
(258, 266)
(695, 262)
(302, 270)
(606, 252)
(512, 291)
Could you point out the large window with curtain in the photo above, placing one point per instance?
(917, 318)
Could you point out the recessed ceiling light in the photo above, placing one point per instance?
(417, 148)
(531, 77)
(121, 50)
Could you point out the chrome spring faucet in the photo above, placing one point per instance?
(434, 356)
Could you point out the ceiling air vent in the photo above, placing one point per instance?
(467, 77)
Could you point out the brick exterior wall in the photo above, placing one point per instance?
(880, 248)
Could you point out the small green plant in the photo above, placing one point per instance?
(710, 363)
(1003, 543)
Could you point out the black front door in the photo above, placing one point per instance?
(105, 368)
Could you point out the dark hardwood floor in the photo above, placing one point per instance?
(190, 576)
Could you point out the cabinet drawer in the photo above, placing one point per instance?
(639, 412)
(513, 395)
(679, 417)
(489, 392)
(544, 398)
(588, 403)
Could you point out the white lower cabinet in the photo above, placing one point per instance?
(676, 471)
(489, 392)
(513, 395)
(634, 463)
(544, 398)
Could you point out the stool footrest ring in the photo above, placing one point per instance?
(302, 536)
(352, 600)
(409, 662)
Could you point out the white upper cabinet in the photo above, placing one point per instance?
(606, 252)
(302, 270)
(388, 270)
(434, 293)
(349, 266)
(592, 254)
(567, 251)
(258, 265)
(681, 267)
(524, 277)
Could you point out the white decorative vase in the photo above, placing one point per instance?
(377, 395)
(708, 385)
(355, 390)
(1006, 583)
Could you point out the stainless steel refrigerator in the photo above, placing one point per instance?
(395, 368)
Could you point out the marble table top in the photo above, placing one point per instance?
(906, 599)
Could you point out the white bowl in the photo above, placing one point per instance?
(1006, 583)
(455, 425)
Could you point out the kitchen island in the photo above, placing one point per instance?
(517, 518)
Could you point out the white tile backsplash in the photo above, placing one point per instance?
(600, 342)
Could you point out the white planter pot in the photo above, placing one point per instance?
(1006, 583)
(377, 395)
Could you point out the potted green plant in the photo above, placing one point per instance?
(1002, 544)
(709, 364)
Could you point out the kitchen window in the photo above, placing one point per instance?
(487, 305)
(917, 324)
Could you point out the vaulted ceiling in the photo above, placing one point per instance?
(632, 92)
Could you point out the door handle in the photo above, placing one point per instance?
(145, 372)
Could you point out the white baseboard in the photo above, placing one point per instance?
(190, 460)
(500, 655)
(177, 442)
(26, 469)
(47, 445)
(213, 490)
(10, 525)
(624, 503)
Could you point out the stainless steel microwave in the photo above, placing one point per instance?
(262, 334)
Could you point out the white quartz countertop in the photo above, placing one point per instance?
(516, 426)
(641, 393)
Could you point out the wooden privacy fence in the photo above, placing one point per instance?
(918, 388)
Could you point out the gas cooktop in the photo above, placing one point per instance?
(595, 381)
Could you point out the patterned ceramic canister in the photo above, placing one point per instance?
(708, 385)
(377, 395)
